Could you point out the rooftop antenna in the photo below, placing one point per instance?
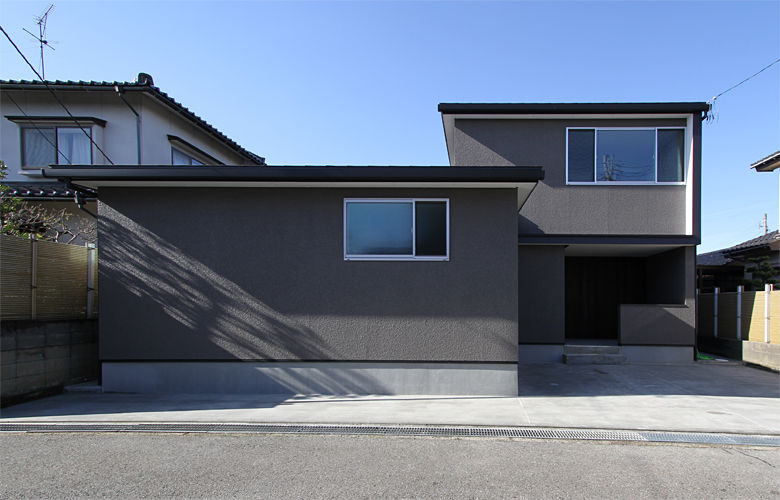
(41, 38)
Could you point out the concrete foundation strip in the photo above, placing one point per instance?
(403, 430)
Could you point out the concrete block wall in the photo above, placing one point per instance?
(41, 357)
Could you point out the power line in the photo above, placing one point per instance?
(746, 79)
(56, 97)
(38, 129)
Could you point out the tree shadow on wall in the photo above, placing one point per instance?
(159, 303)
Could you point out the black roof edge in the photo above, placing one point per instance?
(600, 239)
(578, 107)
(297, 173)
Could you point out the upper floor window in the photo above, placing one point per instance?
(625, 155)
(46, 145)
(396, 229)
(185, 153)
(181, 158)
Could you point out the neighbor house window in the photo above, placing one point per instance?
(625, 155)
(181, 158)
(56, 145)
(396, 229)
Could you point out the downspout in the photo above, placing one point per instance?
(78, 192)
(78, 197)
(137, 122)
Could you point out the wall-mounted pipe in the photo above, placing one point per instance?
(137, 122)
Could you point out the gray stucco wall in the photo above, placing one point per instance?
(696, 208)
(554, 207)
(259, 274)
(541, 294)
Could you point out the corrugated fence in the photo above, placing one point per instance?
(41, 280)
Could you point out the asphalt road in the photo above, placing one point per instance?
(274, 466)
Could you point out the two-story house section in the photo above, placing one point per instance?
(105, 123)
(606, 242)
(100, 123)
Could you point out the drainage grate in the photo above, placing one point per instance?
(402, 430)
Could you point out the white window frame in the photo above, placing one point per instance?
(411, 257)
(654, 182)
(56, 127)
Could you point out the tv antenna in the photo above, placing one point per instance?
(41, 37)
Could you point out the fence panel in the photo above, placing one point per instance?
(774, 317)
(43, 280)
(705, 315)
(15, 277)
(62, 281)
(753, 316)
(727, 315)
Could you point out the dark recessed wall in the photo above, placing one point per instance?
(259, 274)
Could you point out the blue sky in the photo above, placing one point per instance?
(357, 83)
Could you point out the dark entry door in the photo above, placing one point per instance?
(595, 287)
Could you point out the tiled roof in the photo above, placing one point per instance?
(724, 256)
(71, 85)
(39, 190)
(715, 258)
(762, 240)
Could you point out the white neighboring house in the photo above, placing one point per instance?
(120, 123)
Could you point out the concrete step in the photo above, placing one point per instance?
(591, 349)
(594, 359)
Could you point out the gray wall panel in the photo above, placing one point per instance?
(650, 324)
(541, 294)
(555, 208)
(259, 274)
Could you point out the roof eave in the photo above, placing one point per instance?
(523, 179)
(295, 173)
(573, 108)
(767, 164)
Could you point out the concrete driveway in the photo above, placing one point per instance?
(726, 397)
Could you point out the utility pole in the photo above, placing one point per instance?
(763, 224)
(41, 38)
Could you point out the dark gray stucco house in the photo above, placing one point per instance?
(406, 280)
(606, 242)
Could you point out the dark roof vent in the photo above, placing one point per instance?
(145, 79)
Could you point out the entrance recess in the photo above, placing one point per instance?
(595, 288)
